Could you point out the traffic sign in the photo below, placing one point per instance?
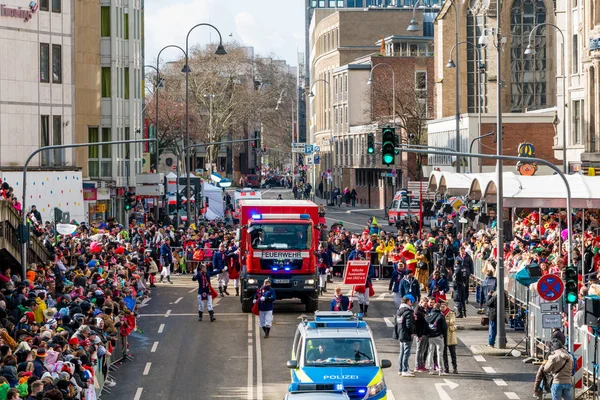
(309, 160)
(317, 160)
(551, 321)
(308, 149)
(550, 307)
(297, 147)
(550, 287)
(356, 272)
(316, 149)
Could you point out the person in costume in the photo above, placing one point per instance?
(339, 301)
(220, 267)
(409, 254)
(265, 297)
(233, 255)
(205, 291)
(364, 292)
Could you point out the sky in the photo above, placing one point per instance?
(270, 26)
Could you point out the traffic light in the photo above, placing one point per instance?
(388, 153)
(370, 143)
(571, 281)
(130, 200)
(396, 144)
(256, 141)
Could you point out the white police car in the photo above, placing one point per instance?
(338, 348)
(328, 391)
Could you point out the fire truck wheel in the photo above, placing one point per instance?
(247, 305)
(312, 303)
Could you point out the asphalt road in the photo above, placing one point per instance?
(178, 357)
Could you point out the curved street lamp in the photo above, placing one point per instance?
(186, 69)
(480, 67)
(331, 138)
(530, 51)
(414, 27)
(159, 84)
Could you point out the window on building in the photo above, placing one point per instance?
(45, 140)
(127, 147)
(106, 82)
(575, 57)
(346, 113)
(44, 62)
(106, 154)
(421, 83)
(44, 5)
(577, 124)
(126, 26)
(56, 63)
(56, 6)
(126, 83)
(528, 73)
(475, 28)
(105, 21)
(59, 158)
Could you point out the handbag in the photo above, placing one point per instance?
(485, 320)
(255, 309)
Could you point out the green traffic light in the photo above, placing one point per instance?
(571, 298)
(371, 150)
(388, 158)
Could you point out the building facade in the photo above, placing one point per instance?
(36, 82)
(109, 96)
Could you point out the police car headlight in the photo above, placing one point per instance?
(310, 281)
(252, 281)
(376, 389)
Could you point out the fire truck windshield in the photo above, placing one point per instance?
(279, 236)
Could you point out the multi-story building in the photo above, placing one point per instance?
(36, 82)
(108, 93)
(339, 38)
(530, 88)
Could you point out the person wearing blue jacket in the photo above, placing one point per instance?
(204, 291)
(220, 267)
(410, 285)
(395, 280)
(265, 296)
(339, 301)
(440, 281)
(166, 259)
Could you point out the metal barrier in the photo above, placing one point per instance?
(538, 336)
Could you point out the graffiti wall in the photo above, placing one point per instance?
(49, 189)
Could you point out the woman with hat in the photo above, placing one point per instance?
(265, 296)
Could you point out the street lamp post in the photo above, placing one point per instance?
(480, 67)
(471, 148)
(186, 69)
(210, 127)
(531, 51)
(413, 27)
(159, 84)
(331, 139)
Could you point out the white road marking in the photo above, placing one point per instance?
(259, 371)
(345, 222)
(178, 300)
(154, 346)
(381, 296)
(138, 393)
(489, 370)
(147, 368)
(193, 290)
(512, 395)
(168, 313)
(390, 395)
(250, 385)
(500, 382)
(479, 358)
(240, 314)
(388, 322)
(161, 328)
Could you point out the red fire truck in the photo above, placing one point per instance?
(278, 240)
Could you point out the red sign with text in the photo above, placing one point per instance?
(356, 272)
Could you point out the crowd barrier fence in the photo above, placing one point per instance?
(538, 336)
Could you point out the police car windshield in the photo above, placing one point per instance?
(327, 352)
(274, 236)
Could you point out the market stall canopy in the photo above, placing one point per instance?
(546, 191)
(451, 183)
